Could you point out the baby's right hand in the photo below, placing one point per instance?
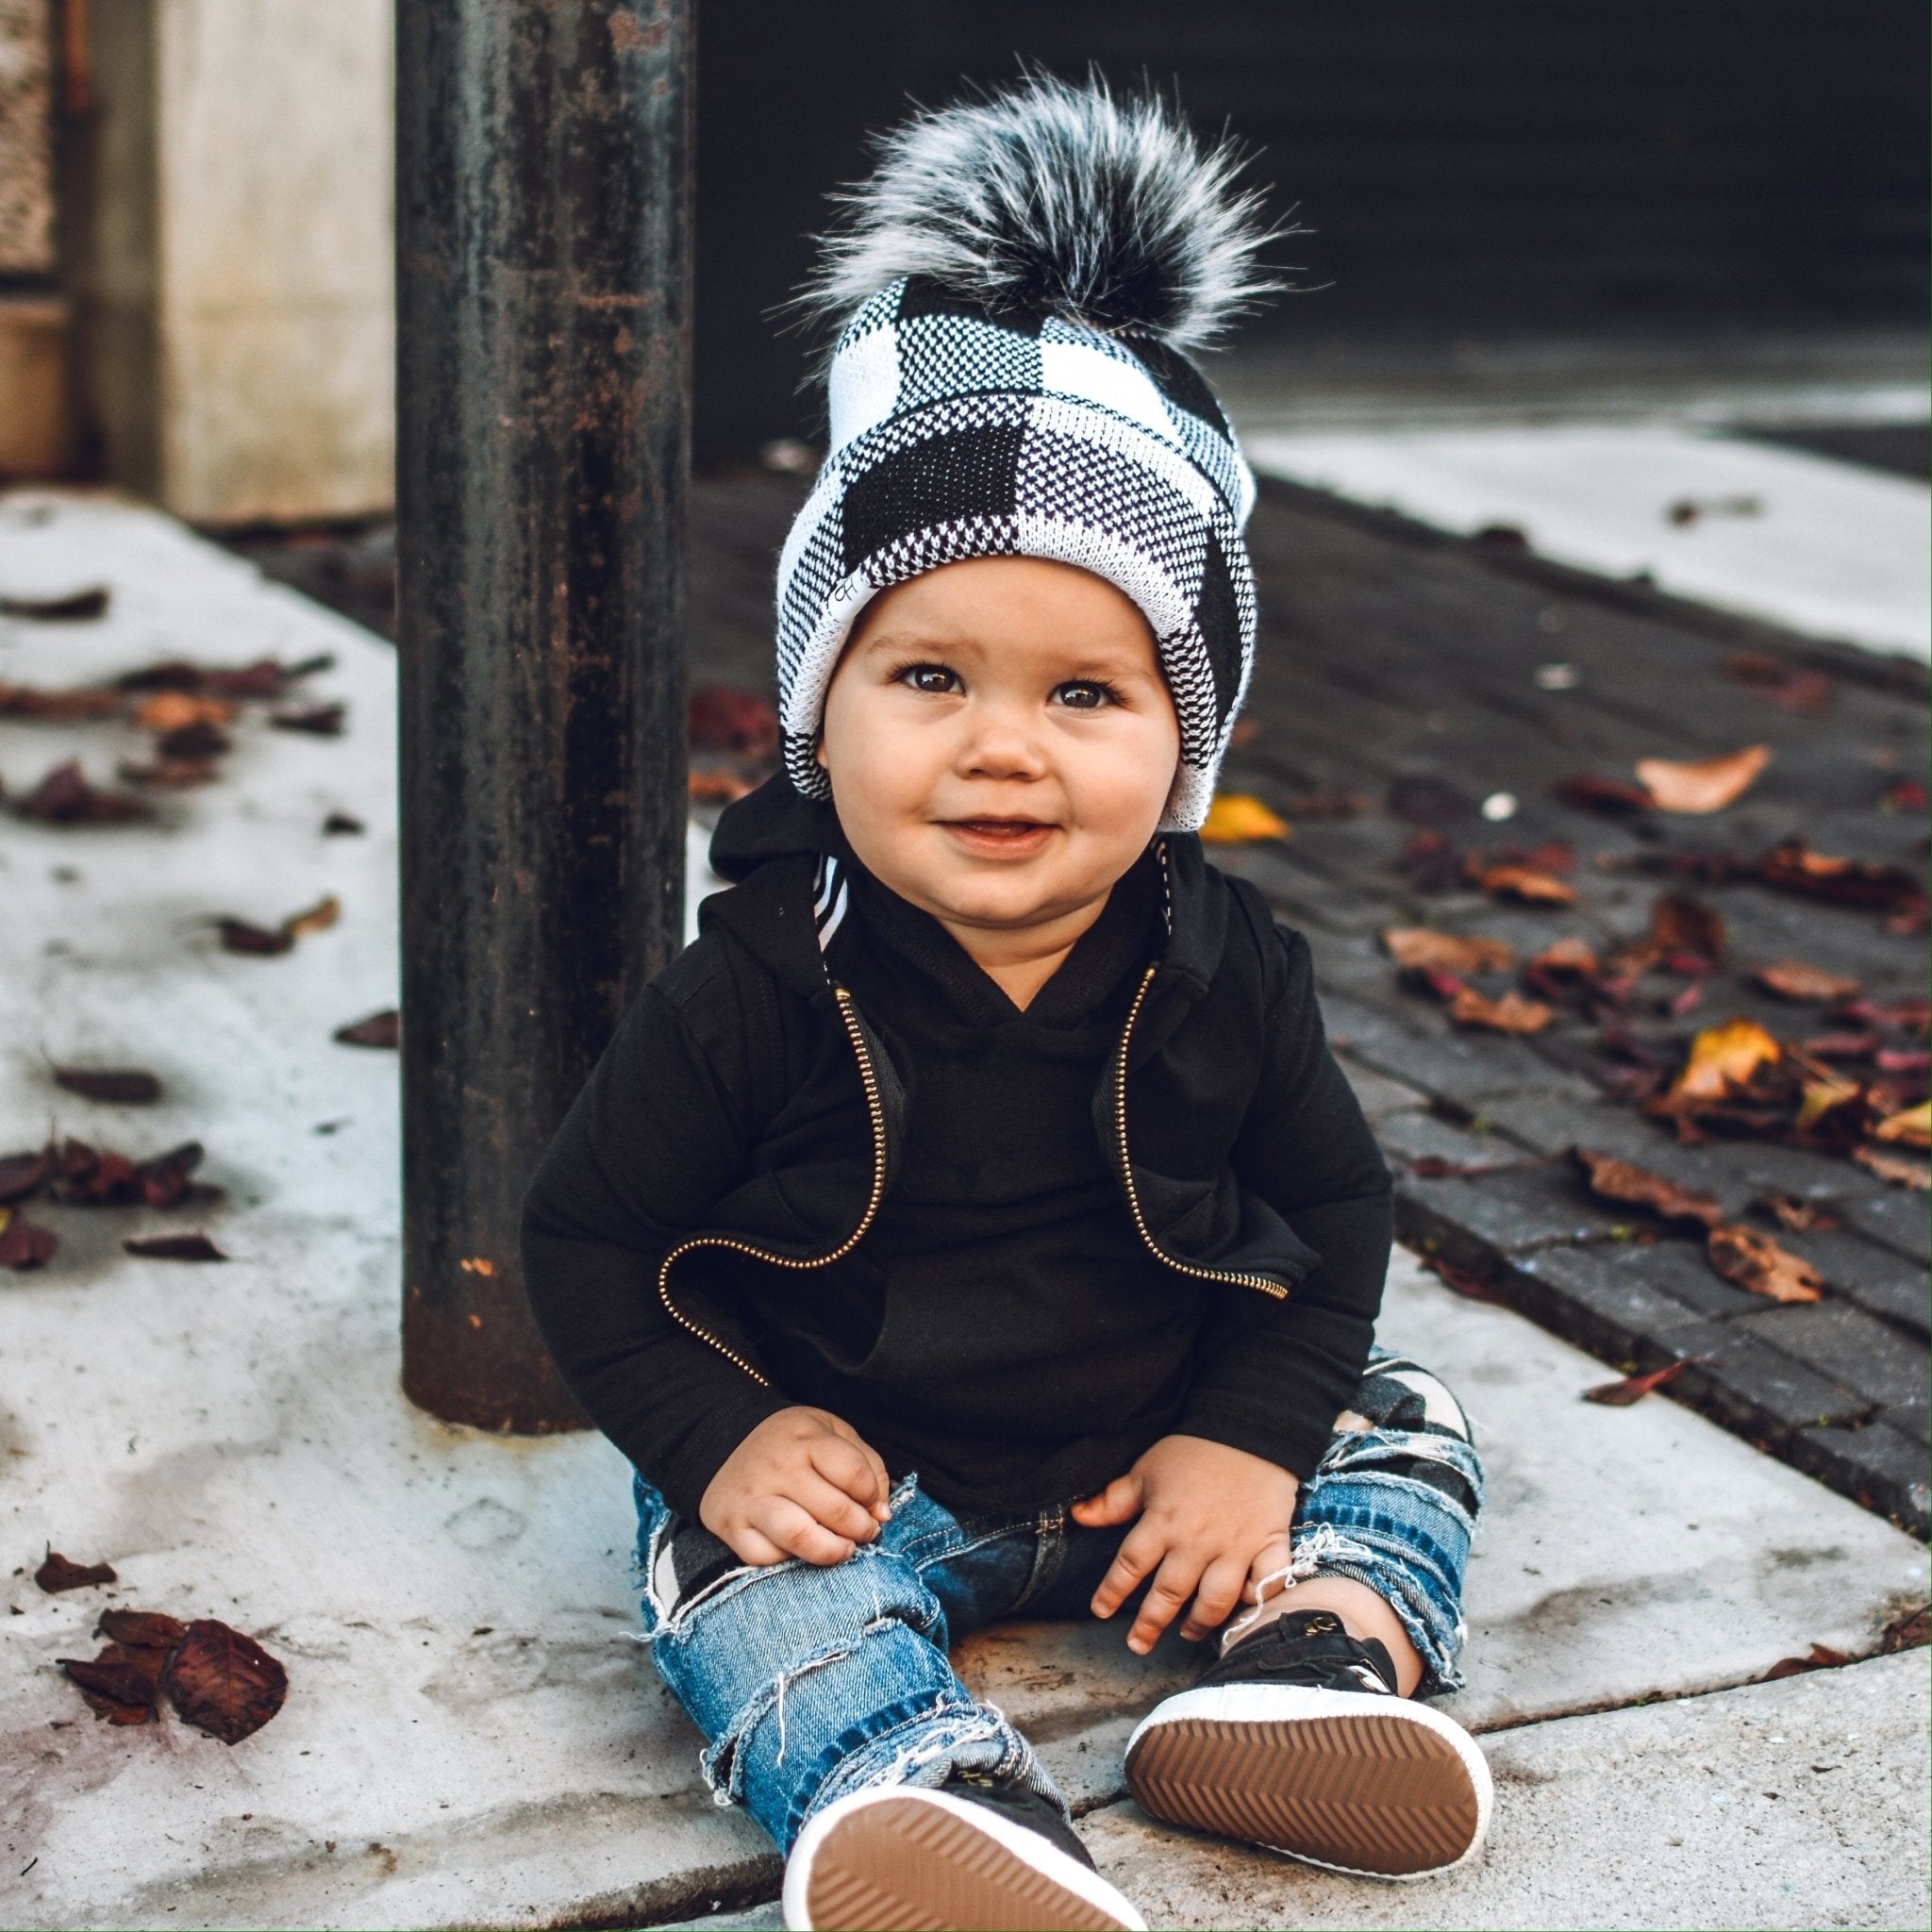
(802, 1484)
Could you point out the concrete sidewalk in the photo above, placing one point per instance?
(473, 1736)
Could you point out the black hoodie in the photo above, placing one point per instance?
(825, 1159)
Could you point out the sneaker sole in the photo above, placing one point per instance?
(908, 1860)
(1344, 1782)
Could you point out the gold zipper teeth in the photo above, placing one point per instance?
(876, 1112)
(1119, 1107)
(869, 1079)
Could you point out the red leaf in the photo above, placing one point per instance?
(60, 1572)
(64, 797)
(224, 1682)
(22, 1174)
(141, 1629)
(25, 1243)
(378, 1029)
(1633, 1388)
(121, 1684)
(1465, 1281)
(1612, 797)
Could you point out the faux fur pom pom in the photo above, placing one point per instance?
(1059, 199)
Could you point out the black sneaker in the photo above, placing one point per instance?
(975, 1855)
(1296, 1740)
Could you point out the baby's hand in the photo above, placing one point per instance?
(1209, 1516)
(802, 1484)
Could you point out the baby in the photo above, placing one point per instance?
(973, 1223)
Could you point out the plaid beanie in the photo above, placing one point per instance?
(1018, 286)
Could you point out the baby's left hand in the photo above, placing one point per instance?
(1211, 1516)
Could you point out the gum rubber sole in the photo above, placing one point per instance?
(1377, 1793)
(905, 1866)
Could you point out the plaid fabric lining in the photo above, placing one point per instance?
(958, 435)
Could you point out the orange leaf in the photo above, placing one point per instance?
(1704, 785)
(170, 710)
(1512, 1013)
(318, 918)
(1791, 979)
(1617, 1180)
(1522, 883)
(1913, 1127)
(1567, 955)
(1894, 1167)
(1235, 818)
(1633, 1388)
(1723, 1058)
(1755, 1262)
(1447, 951)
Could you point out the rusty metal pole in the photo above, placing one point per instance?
(543, 276)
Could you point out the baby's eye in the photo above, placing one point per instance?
(914, 673)
(1087, 694)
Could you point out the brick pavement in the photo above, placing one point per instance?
(1389, 652)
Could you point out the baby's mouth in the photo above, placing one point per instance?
(995, 835)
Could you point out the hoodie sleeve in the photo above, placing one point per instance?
(1271, 1377)
(651, 1144)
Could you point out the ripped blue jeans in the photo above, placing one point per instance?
(809, 1681)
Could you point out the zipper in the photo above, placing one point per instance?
(875, 1107)
(1261, 1282)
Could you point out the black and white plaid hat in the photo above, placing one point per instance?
(1020, 391)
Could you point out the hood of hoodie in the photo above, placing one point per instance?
(772, 842)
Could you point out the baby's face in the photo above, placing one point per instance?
(1000, 740)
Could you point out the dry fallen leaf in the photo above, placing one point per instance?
(1523, 884)
(23, 1174)
(1704, 785)
(1511, 1013)
(1612, 797)
(1894, 1167)
(318, 918)
(1912, 1128)
(25, 1243)
(1756, 1262)
(60, 1572)
(174, 1247)
(124, 1086)
(379, 1029)
(76, 702)
(1567, 957)
(222, 1682)
(64, 797)
(1822, 1096)
(1617, 1180)
(1793, 867)
(1235, 818)
(1791, 979)
(177, 710)
(69, 608)
(1446, 952)
(1800, 1215)
(122, 1684)
(1723, 1058)
(1633, 1388)
(1679, 923)
(322, 721)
